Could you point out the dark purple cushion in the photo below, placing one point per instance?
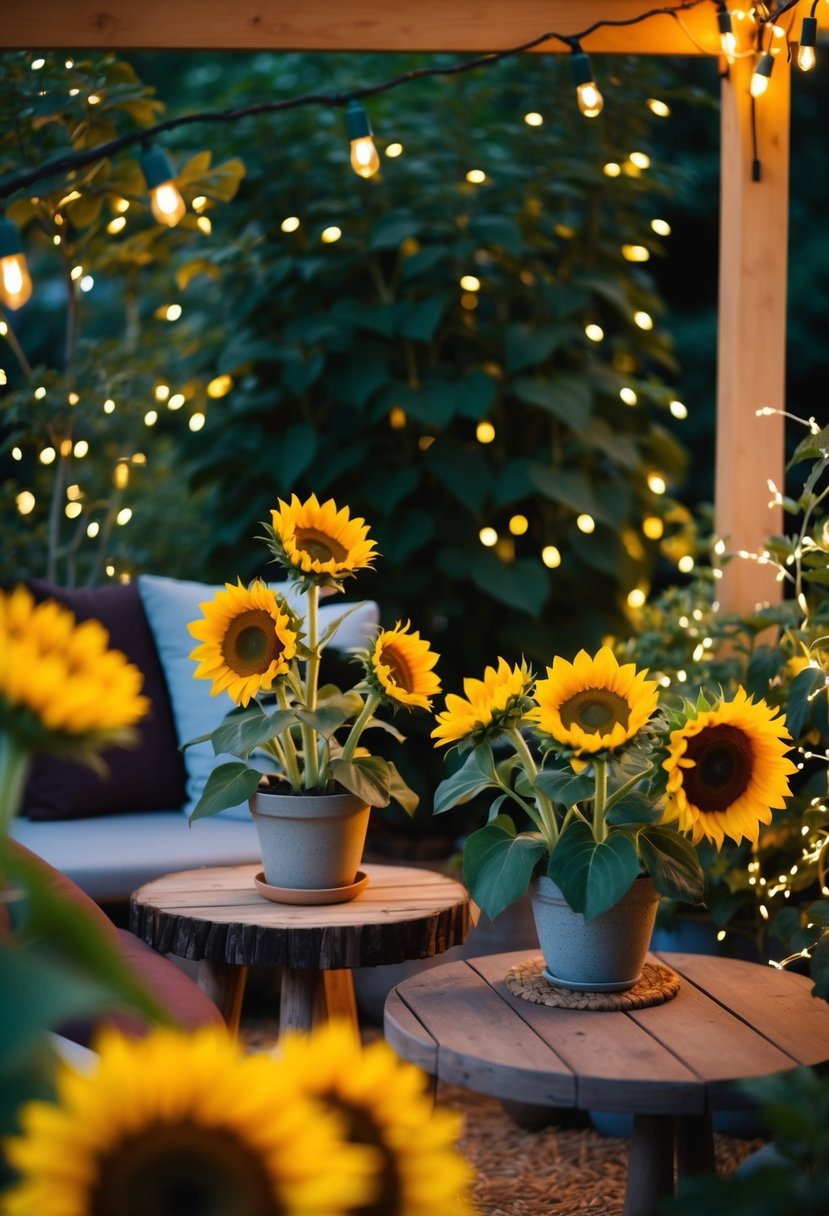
(147, 777)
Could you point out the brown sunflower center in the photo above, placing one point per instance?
(319, 545)
(250, 643)
(183, 1170)
(400, 672)
(363, 1128)
(723, 764)
(595, 710)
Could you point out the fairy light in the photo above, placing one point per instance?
(806, 58)
(485, 432)
(72, 510)
(488, 537)
(109, 406)
(640, 159)
(425, 442)
(172, 312)
(290, 223)
(551, 557)
(636, 597)
(657, 483)
(586, 523)
(628, 395)
(17, 453)
(365, 160)
(218, 387)
(25, 502)
(394, 150)
(197, 421)
(660, 108)
(47, 456)
(397, 418)
(612, 169)
(469, 282)
(588, 96)
(92, 529)
(476, 176)
(518, 525)
(75, 273)
(643, 319)
(109, 570)
(330, 234)
(121, 475)
(116, 224)
(685, 565)
(594, 332)
(151, 418)
(121, 205)
(636, 253)
(162, 392)
(81, 449)
(533, 119)
(678, 409)
(123, 517)
(37, 64)
(204, 225)
(661, 227)
(653, 527)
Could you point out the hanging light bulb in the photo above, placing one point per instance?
(806, 50)
(588, 96)
(15, 280)
(364, 158)
(728, 41)
(762, 74)
(165, 200)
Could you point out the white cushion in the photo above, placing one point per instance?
(108, 856)
(171, 605)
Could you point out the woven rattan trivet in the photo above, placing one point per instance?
(655, 985)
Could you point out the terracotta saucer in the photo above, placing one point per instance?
(302, 895)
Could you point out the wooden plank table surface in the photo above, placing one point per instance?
(669, 1065)
(217, 916)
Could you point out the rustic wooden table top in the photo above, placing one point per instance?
(731, 1020)
(217, 914)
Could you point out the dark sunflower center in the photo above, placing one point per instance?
(362, 1128)
(319, 545)
(400, 673)
(183, 1170)
(250, 644)
(595, 710)
(723, 764)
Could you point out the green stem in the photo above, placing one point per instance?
(15, 762)
(617, 795)
(359, 726)
(600, 800)
(309, 735)
(288, 745)
(547, 825)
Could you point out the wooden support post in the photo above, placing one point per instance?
(224, 983)
(752, 327)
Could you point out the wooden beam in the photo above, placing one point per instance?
(751, 361)
(350, 25)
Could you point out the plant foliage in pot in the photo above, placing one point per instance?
(617, 790)
(298, 742)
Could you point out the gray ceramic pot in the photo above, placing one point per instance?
(310, 841)
(604, 955)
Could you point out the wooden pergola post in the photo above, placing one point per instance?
(751, 348)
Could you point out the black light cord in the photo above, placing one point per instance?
(77, 160)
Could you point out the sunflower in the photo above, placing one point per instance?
(491, 706)
(248, 639)
(399, 667)
(727, 770)
(178, 1123)
(61, 687)
(592, 705)
(386, 1105)
(319, 543)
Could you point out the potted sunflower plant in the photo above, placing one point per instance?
(615, 792)
(301, 760)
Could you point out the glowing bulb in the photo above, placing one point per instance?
(81, 449)
(586, 523)
(636, 597)
(204, 225)
(394, 150)
(73, 398)
(17, 453)
(612, 169)
(533, 119)
(589, 98)
(469, 282)
(806, 51)
(109, 406)
(678, 409)
(661, 227)
(37, 64)
(123, 517)
(25, 502)
(550, 557)
(172, 312)
(151, 418)
(476, 176)
(121, 475)
(643, 319)
(220, 386)
(196, 422)
(177, 401)
(47, 456)
(628, 395)
(331, 234)
(166, 202)
(728, 42)
(488, 537)
(640, 159)
(653, 527)
(518, 525)
(93, 529)
(762, 74)
(485, 432)
(162, 392)
(397, 418)
(657, 483)
(685, 564)
(72, 510)
(660, 108)
(290, 223)
(594, 332)
(365, 160)
(635, 253)
(115, 225)
(15, 280)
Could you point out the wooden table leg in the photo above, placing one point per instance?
(297, 1000)
(651, 1164)
(337, 996)
(695, 1145)
(224, 983)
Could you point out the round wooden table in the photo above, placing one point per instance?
(217, 916)
(670, 1065)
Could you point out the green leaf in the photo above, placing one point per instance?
(418, 319)
(228, 785)
(673, 864)
(522, 585)
(241, 732)
(400, 792)
(563, 787)
(635, 807)
(326, 720)
(813, 447)
(477, 773)
(565, 396)
(593, 876)
(567, 486)
(499, 231)
(528, 345)
(498, 865)
(513, 482)
(335, 624)
(463, 470)
(819, 968)
(369, 778)
(391, 230)
(293, 455)
(476, 393)
(799, 707)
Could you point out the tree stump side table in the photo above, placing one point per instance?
(216, 915)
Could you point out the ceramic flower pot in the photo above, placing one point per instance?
(604, 955)
(310, 841)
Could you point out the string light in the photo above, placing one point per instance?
(762, 72)
(166, 202)
(15, 280)
(551, 557)
(586, 523)
(488, 537)
(628, 395)
(394, 150)
(518, 525)
(365, 160)
(590, 100)
(290, 223)
(728, 41)
(485, 432)
(806, 58)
